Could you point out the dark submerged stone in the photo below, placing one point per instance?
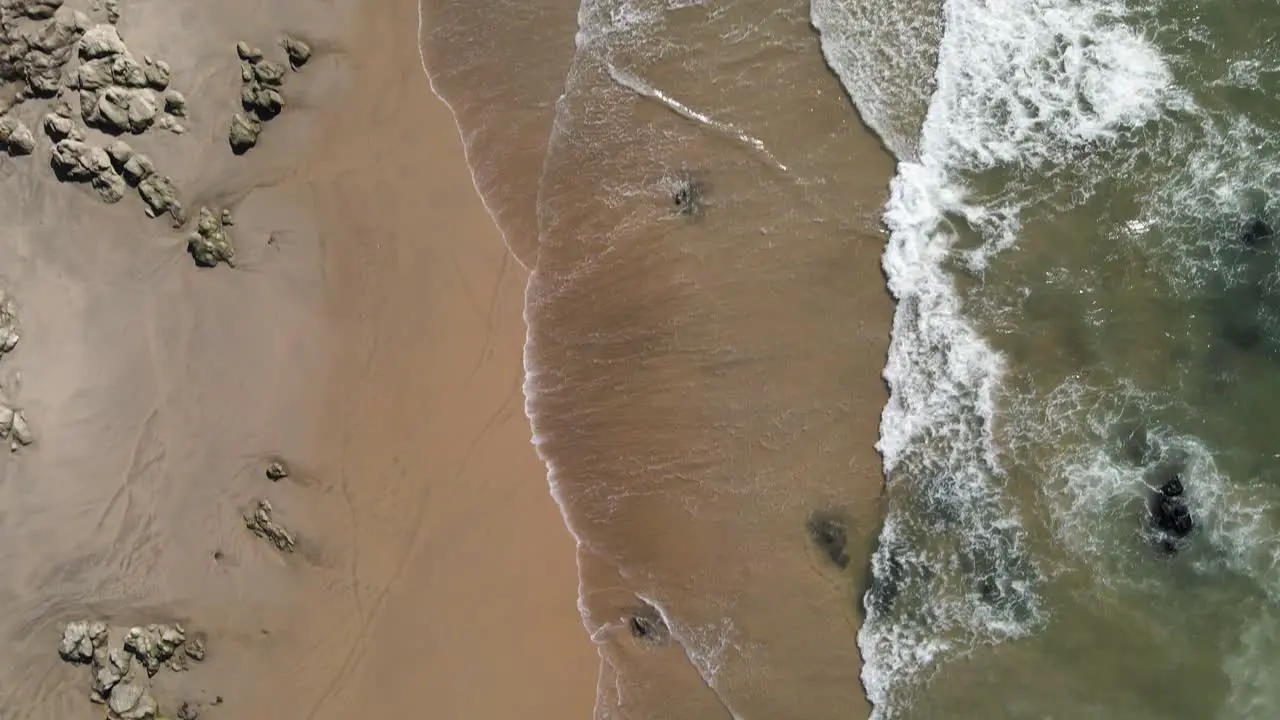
(1170, 514)
(646, 625)
(829, 532)
(1256, 233)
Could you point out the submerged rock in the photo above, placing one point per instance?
(647, 626)
(687, 194)
(829, 533)
(263, 526)
(209, 243)
(244, 133)
(1170, 514)
(1256, 233)
(298, 51)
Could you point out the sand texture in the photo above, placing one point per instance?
(365, 332)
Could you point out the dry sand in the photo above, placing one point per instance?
(370, 335)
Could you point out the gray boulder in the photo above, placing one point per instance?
(159, 193)
(78, 161)
(127, 72)
(247, 53)
(129, 701)
(79, 640)
(137, 168)
(38, 9)
(158, 75)
(209, 243)
(175, 103)
(8, 323)
(110, 186)
(262, 525)
(94, 74)
(61, 33)
(263, 101)
(109, 668)
(16, 136)
(298, 51)
(101, 41)
(244, 133)
(154, 644)
(58, 127)
(268, 73)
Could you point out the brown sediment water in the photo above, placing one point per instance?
(707, 324)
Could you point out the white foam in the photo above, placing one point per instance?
(1020, 85)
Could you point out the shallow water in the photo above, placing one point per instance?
(1079, 318)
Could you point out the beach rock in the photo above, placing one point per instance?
(269, 73)
(264, 102)
(137, 168)
(94, 74)
(154, 644)
(58, 127)
(263, 526)
(298, 51)
(195, 649)
(120, 153)
(77, 161)
(127, 72)
(158, 75)
(129, 701)
(226, 218)
(66, 27)
(43, 74)
(16, 137)
(118, 110)
(20, 431)
(110, 186)
(79, 640)
(8, 323)
(175, 103)
(1256, 233)
(277, 471)
(187, 711)
(159, 193)
(109, 668)
(112, 8)
(169, 123)
(101, 41)
(244, 133)
(829, 533)
(247, 53)
(209, 244)
(38, 9)
(647, 626)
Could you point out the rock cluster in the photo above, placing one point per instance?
(260, 90)
(119, 94)
(263, 526)
(119, 675)
(35, 57)
(209, 243)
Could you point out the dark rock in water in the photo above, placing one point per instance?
(829, 532)
(687, 194)
(886, 583)
(1256, 233)
(646, 625)
(1170, 514)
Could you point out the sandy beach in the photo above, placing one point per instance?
(369, 337)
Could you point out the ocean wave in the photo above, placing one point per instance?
(1021, 86)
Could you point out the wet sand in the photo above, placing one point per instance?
(370, 336)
